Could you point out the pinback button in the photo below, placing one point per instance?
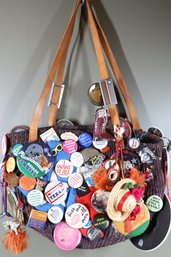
(134, 143)
(100, 143)
(154, 203)
(63, 168)
(158, 230)
(101, 221)
(109, 163)
(35, 197)
(35, 159)
(16, 149)
(27, 183)
(77, 215)
(70, 146)
(85, 139)
(77, 159)
(75, 180)
(94, 233)
(65, 237)
(55, 214)
(69, 135)
(10, 164)
(56, 192)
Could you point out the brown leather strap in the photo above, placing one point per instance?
(119, 77)
(121, 83)
(43, 97)
(101, 62)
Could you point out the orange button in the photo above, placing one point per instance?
(27, 183)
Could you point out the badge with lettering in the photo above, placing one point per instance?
(55, 214)
(70, 146)
(77, 215)
(77, 159)
(56, 192)
(85, 139)
(63, 168)
(49, 135)
(75, 180)
(37, 219)
(147, 156)
(35, 160)
(83, 189)
(154, 203)
(16, 149)
(35, 197)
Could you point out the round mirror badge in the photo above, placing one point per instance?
(134, 143)
(35, 160)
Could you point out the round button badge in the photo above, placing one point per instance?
(154, 203)
(63, 168)
(75, 180)
(70, 146)
(55, 214)
(27, 183)
(16, 149)
(134, 143)
(77, 159)
(35, 197)
(100, 143)
(85, 139)
(65, 237)
(77, 215)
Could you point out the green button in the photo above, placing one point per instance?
(154, 203)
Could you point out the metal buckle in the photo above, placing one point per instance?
(58, 104)
(108, 92)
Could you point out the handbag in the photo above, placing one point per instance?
(83, 186)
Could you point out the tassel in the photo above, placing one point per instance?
(16, 239)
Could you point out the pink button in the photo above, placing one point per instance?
(65, 237)
(70, 146)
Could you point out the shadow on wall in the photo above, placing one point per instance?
(117, 50)
(45, 45)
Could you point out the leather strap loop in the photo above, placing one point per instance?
(43, 97)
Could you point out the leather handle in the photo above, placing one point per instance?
(118, 75)
(101, 61)
(43, 97)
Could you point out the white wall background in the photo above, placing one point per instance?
(140, 36)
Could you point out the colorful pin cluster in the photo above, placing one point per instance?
(70, 183)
